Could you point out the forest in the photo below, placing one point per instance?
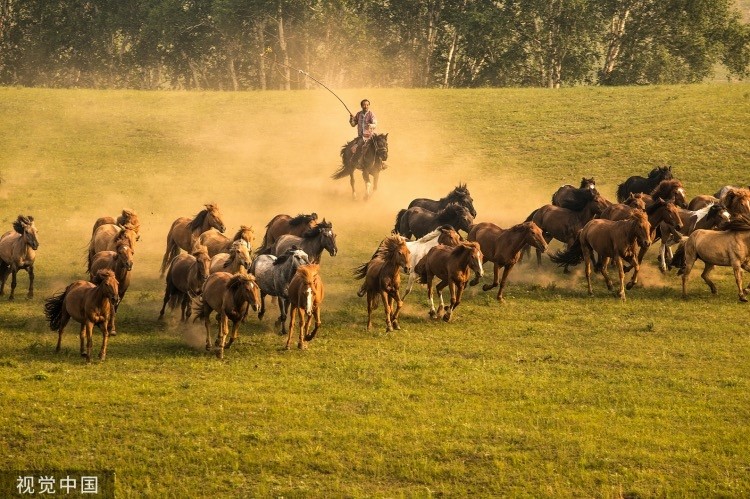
(268, 44)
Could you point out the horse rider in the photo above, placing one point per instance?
(365, 122)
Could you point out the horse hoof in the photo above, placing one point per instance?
(487, 287)
(302, 346)
(113, 333)
(208, 347)
(11, 298)
(743, 299)
(629, 285)
(388, 329)
(433, 314)
(447, 318)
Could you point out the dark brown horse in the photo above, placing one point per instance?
(382, 279)
(18, 252)
(185, 278)
(503, 248)
(419, 221)
(640, 184)
(305, 296)
(185, 231)
(91, 304)
(120, 262)
(459, 195)
(231, 296)
(284, 224)
(452, 265)
(312, 241)
(573, 198)
(670, 189)
(611, 240)
(372, 160)
(216, 242)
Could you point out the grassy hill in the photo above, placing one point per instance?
(551, 393)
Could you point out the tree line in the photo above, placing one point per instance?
(264, 44)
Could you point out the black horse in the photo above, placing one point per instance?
(574, 199)
(637, 184)
(459, 195)
(371, 162)
(419, 221)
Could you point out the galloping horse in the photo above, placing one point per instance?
(708, 217)
(611, 240)
(452, 265)
(273, 276)
(305, 296)
(185, 232)
(313, 242)
(382, 278)
(120, 262)
(503, 248)
(284, 224)
(90, 303)
(374, 154)
(670, 189)
(573, 198)
(231, 296)
(726, 248)
(237, 260)
(128, 219)
(639, 184)
(216, 242)
(17, 252)
(185, 278)
(419, 221)
(106, 238)
(418, 249)
(737, 202)
(459, 195)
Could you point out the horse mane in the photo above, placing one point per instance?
(238, 280)
(582, 196)
(286, 256)
(308, 272)
(734, 196)
(197, 221)
(122, 236)
(315, 231)
(666, 188)
(242, 231)
(303, 219)
(199, 250)
(102, 276)
(459, 194)
(658, 203)
(740, 223)
(129, 219)
(389, 247)
(21, 221)
(635, 200)
(663, 172)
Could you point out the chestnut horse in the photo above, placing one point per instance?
(444, 234)
(91, 304)
(106, 238)
(128, 219)
(284, 224)
(185, 232)
(737, 202)
(231, 296)
(305, 296)
(216, 242)
(382, 279)
(120, 262)
(18, 252)
(185, 279)
(503, 248)
(452, 265)
(237, 260)
(313, 241)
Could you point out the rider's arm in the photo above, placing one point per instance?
(353, 119)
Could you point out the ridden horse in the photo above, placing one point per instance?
(273, 275)
(709, 217)
(418, 249)
(305, 296)
(216, 242)
(640, 184)
(726, 248)
(91, 304)
(120, 262)
(573, 198)
(128, 219)
(313, 242)
(459, 195)
(382, 278)
(231, 296)
(185, 278)
(106, 238)
(618, 241)
(185, 232)
(17, 252)
(452, 265)
(284, 224)
(737, 202)
(238, 259)
(420, 221)
(503, 248)
(372, 157)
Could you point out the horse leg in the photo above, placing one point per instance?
(409, 284)
(4, 270)
(705, 275)
(283, 308)
(262, 305)
(621, 275)
(105, 339)
(439, 288)
(506, 271)
(13, 282)
(635, 264)
(89, 328)
(495, 278)
(453, 289)
(689, 262)
(370, 299)
(738, 280)
(605, 265)
(292, 316)
(82, 334)
(318, 322)
(223, 328)
(386, 304)
(433, 313)
(30, 270)
(207, 325)
(394, 313)
(63, 322)
(368, 184)
(375, 181)
(167, 296)
(587, 268)
(351, 181)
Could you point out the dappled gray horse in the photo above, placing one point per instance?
(273, 275)
(313, 241)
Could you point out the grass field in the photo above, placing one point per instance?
(552, 393)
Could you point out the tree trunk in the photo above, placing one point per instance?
(449, 63)
(287, 83)
(617, 30)
(260, 36)
(233, 74)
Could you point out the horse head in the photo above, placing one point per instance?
(247, 287)
(641, 228)
(380, 141)
(535, 236)
(475, 257)
(460, 195)
(247, 235)
(458, 215)
(661, 173)
(448, 236)
(124, 254)
(635, 200)
(202, 261)
(213, 217)
(588, 183)
(327, 237)
(402, 254)
(717, 215)
(106, 281)
(672, 215)
(24, 225)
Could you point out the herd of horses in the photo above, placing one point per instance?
(210, 274)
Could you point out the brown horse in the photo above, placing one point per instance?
(709, 217)
(701, 201)
(185, 279)
(453, 266)
(305, 296)
(17, 252)
(231, 296)
(371, 161)
(503, 248)
(91, 304)
(737, 202)
(185, 232)
(382, 278)
(284, 224)
(312, 241)
(726, 248)
(237, 260)
(612, 240)
(670, 189)
(120, 262)
(106, 237)
(128, 220)
(216, 242)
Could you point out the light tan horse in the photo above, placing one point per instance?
(216, 242)
(106, 237)
(120, 262)
(284, 224)
(453, 266)
(737, 202)
(128, 220)
(91, 304)
(231, 296)
(305, 296)
(503, 248)
(238, 259)
(185, 279)
(185, 232)
(18, 252)
(382, 279)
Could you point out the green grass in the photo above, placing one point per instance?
(552, 393)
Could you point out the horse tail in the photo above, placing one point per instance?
(361, 271)
(196, 304)
(398, 222)
(421, 271)
(346, 168)
(567, 257)
(172, 251)
(678, 258)
(53, 309)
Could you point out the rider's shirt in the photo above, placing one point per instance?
(365, 123)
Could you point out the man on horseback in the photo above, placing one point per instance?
(365, 122)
